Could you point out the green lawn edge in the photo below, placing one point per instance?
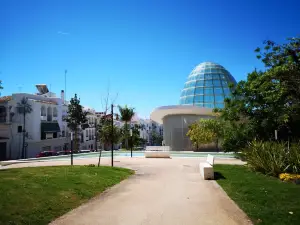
(38, 195)
(266, 200)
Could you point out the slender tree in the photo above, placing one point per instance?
(126, 114)
(24, 108)
(105, 130)
(156, 138)
(76, 116)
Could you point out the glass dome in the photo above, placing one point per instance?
(207, 86)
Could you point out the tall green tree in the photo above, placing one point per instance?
(269, 100)
(24, 108)
(76, 117)
(126, 114)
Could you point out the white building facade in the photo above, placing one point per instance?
(88, 131)
(44, 126)
(147, 129)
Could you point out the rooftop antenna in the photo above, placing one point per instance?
(65, 86)
(50, 90)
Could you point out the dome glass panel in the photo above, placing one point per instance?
(207, 86)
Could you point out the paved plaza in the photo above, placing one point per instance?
(162, 191)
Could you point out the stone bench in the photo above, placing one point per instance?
(157, 152)
(206, 168)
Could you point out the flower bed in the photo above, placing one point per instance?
(290, 177)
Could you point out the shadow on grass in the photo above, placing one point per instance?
(219, 176)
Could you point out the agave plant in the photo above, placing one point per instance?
(267, 157)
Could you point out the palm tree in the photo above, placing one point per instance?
(24, 108)
(126, 116)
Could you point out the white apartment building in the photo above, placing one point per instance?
(45, 126)
(147, 127)
(88, 131)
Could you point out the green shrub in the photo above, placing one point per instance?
(266, 157)
(293, 158)
(272, 158)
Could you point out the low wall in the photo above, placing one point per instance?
(158, 148)
(157, 152)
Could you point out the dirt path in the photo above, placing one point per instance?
(163, 191)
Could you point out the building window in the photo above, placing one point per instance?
(86, 133)
(49, 114)
(2, 114)
(55, 112)
(63, 133)
(19, 129)
(43, 111)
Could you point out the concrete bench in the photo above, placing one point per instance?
(157, 152)
(206, 168)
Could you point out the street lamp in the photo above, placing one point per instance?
(131, 141)
(112, 134)
(71, 148)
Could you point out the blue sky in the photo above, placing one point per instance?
(143, 50)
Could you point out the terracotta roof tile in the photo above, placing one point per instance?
(5, 98)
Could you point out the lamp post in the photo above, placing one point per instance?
(71, 148)
(95, 137)
(112, 135)
(131, 141)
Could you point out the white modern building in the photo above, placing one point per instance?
(205, 89)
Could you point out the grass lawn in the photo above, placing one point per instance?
(39, 195)
(266, 200)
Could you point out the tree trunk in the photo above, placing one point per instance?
(217, 144)
(75, 140)
(126, 136)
